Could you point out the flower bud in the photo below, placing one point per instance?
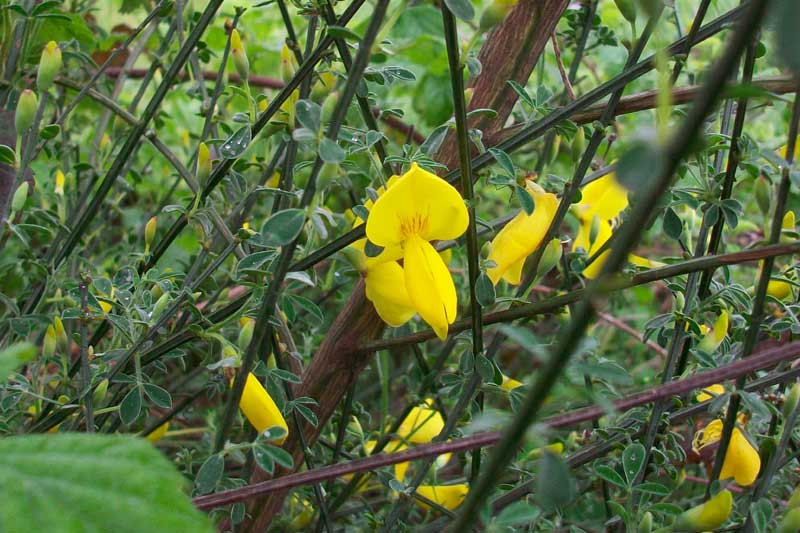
(646, 523)
(160, 306)
(627, 8)
(49, 342)
(239, 56)
(100, 391)
(158, 433)
(469, 92)
(779, 289)
(761, 191)
(20, 195)
(204, 163)
(790, 522)
(550, 257)
(104, 140)
(49, 65)
(495, 13)
(288, 64)
(323, 86)
(578, 143)
(260, 409)
(61, 335)
(26, 111)
(60, 179)
(246, 333)
(788, 222)
(706, 516)
(790, 400)
(554, 148)
(150, 233)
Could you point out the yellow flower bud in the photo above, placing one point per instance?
(706, 516)
(61, 335)
(104, 140)
(448, 496)
(60, 178)
(26, 111)
(99, 393)
(49, 342)
(779, 289)
(788, 222)
(288, 63)
(49, 65)
(246, 333)
(239, 56)
(646, 523)
(204, 163)
(150, 233)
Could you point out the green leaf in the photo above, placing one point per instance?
(555, 485)
(672, 224)
(485, 368)
(652, 488)
(283, 227)
(13, 357)
(264, 459)
(633, 461)
(484, 290)
(331, 152)
(640, 166)
(504, 160)
(49, 131)
(209, 474)
(158, 396)
(461, 8)
(254, 261)
(516, 514)
(525, 199)
(7, 155)
(309, 114)
(131, 406)
(236, 144)
(72, 482)
(610, 475)
(339, 32)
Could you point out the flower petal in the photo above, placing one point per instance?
(429, 284)
(742, 461)
(385, 288)
(420, 200)
(260, 409)
(421, 425)
(604, 197)
(448, 496)
(520, 238)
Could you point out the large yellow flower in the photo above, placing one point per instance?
(706, 516)
(422, 424)
(419, 208)
(521, 237)
(742, 461)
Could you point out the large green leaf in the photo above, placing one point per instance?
(75, 482)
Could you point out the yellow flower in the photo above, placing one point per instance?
(419, 208)
(712, 391)
(422, 424)
(448, 496)
(714, 338)
(158, 433)
(260, 409)
(239, 56)
(60, 179)
(788, 222)
(303, 513)
(557, 448)
(706, 516)
(521, 237)
(742, 461)
(604, 197)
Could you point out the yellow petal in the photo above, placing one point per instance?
(158, 433)
(421, 425)
(385, 288)
(421, 204)
(429, 284)
(260, 409)
(712, 391)
(788, 221)
(742, 461)
(448, 496)
(520, 238)
(604, 197)
(779, 289)
(510, 384)
(714, 338)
